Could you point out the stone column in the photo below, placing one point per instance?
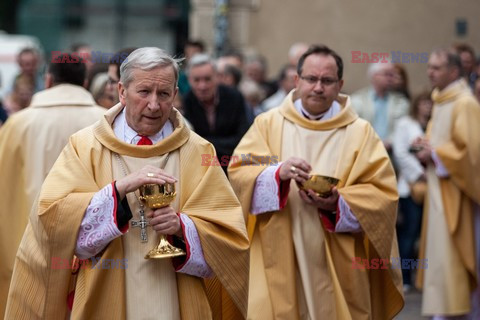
(202, 17)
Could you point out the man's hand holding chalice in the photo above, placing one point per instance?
(157, 189)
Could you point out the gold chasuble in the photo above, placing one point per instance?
(448, 241)
(299, 270)
(85, 166)
(142, 276)
(30, 142)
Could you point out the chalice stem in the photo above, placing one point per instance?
(164, 250)
(164, 245)
(158, 196)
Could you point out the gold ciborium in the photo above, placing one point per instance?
(322, 185)
(158, 196)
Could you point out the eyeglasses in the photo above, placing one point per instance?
(326, 82)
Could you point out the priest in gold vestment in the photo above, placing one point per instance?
(82, 254)
(30, 142)
(314, 257)
(451, 222)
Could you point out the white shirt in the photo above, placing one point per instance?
(123, 131)
(334, 109)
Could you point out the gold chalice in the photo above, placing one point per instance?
(158, 196)
(322, 185)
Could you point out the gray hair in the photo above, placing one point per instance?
(146, 59)
(200, 59)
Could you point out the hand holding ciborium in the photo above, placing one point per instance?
(320, 191)
(158, 196)
(320, 184)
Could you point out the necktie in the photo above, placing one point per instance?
(144, 141)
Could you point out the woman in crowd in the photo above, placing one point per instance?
(23, 90)
(400, 80)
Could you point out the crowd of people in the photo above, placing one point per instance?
(78, 142)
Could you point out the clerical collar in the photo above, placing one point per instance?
(334, 109)
(123, 131)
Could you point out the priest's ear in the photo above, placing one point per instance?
(340, 85)
(48, 80)
(122, 93)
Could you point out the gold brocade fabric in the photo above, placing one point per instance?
(367, 183)
(84, 167)
(30, 142)
(447, 233)
(142, 277)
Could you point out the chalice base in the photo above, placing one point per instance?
(164, 250)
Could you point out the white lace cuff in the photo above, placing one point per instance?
(195, 263)
(347, 222)
(265, 195)
(440, 169)
(98, 227)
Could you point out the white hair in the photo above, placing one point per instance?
(200, 59)
(252, 90)
(146, 59)
(296, 48)
(374, 68)
(97, 88)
